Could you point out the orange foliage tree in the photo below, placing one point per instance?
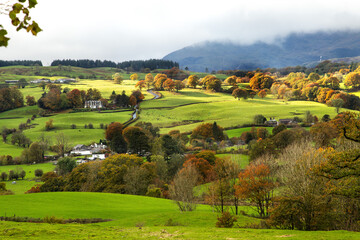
(140, 84)
(262, 93)
(203, 167)
(169, 85)
(256, 185)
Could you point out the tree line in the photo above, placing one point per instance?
(4, 63)
(136, 65)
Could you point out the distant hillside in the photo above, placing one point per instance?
(293, 50)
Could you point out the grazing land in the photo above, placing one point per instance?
(134, 217)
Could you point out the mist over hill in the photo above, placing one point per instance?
(295, 49)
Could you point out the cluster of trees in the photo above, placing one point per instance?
(10, 98)
(58, 99)
(123, 100)
(139, 65)
(314, 88)
(13, 174)
(4, 63)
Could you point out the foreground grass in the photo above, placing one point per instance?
(127, 211)
(10, 230)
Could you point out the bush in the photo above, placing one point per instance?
(91, 126)
(154, 192)
(38, 172)
(49, 125)
(85, 126)
(34, 189)
(4, 176)
(53, 220)
(259, 119)
(101, 125)
(171, 222)
(226, 220)
(73, 126)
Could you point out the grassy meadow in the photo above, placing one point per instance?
(181, 110)
(22, 185)
(134, 217)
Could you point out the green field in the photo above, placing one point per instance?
(180, 111)
(128, 211)
(22, 186)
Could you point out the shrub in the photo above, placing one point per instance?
(154, 192)
(49, 125)
(101, 125)
(34, 189)
(85, 126)
(91, 126)
(38, 172)
(53, 220)
(48, 175)
(226, 220)
(73, 126)
(4, 176)
(259, 119)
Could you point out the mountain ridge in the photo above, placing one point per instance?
(292, 50)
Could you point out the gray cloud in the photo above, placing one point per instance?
(140, 29)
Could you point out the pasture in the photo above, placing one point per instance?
(184, 110)
(150, 215)
(22, 186)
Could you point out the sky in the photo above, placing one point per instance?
(120, 30)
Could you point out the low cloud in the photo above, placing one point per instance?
(139, 29)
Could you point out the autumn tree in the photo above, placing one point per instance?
(230, 80)
(193, 81)
(206, 131)
(75, 98)
(112, 130)
(352, 80)
(159, 81)
(169, 85)
(179, 85)
(30, 100)
(140, 84)
(313, 77)
(149, 80)
(211, 82)
(134, 76)
(323, 134)
(203, 167)
(240, 93)
(261, 81)
(256, 185)
(182, 188)
(49, 125)
(262, 93)
(306, 190)
(118, 79)
(132, 101)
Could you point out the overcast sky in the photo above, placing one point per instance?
(121, 30)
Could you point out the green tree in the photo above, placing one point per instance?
(66, 165)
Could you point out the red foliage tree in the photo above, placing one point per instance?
(112, 130)
(203, 167)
